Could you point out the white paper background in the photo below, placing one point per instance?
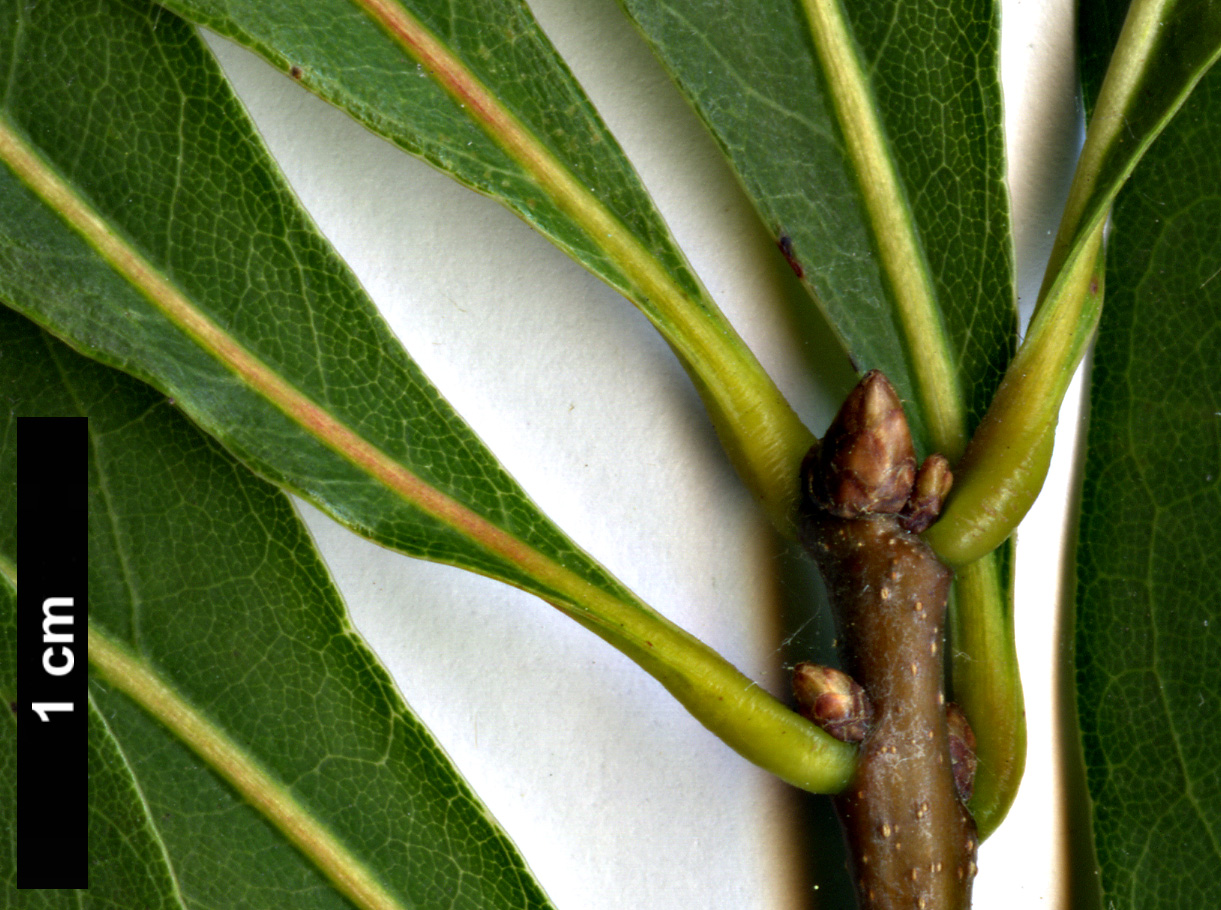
(615, 796)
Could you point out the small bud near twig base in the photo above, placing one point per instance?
(866, 464)
(962, 751)
(832, 699)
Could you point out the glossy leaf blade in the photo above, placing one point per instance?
(143, 221)
(251, 740)
(1163, 48)
(1148, 659)
(1167, 46)
(476, 89)
(752, 73)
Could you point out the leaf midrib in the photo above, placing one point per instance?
(1142, 37)
(315, 420)
(701, 331)
(763, 435)
(712, 689)
(899, 247)
(241, 770)
(1115, 99)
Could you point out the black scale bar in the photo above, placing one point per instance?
(52, 717)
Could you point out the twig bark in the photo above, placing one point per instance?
(912, 840)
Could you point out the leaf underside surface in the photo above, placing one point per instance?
(752, 74)
(142, 220)
(475, 88)
(340, 51)
(203, 575)
(1148, 608)
(127, 110)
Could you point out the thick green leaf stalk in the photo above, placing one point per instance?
(1162, 52)
(912, 839)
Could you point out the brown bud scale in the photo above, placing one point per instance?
(962, 751)
(833, 700)
(866, 463)
(933, 482)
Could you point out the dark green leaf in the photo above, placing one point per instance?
(205, 581)
(347, 54)
(1149, 659)
(752, 73)
(1163, 48)
(1167, 46)
(161, 152)
(475, 88)
(143, 221)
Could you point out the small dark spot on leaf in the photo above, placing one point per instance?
(785, 243)
(13, 706)
(1093, 285)
(295, 72)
